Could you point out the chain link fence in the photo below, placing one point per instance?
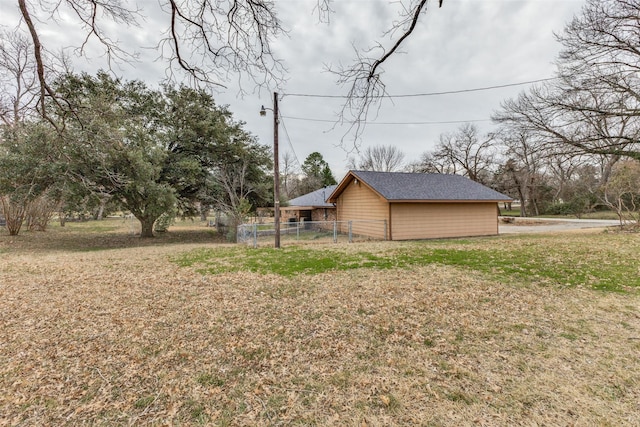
(321, 231)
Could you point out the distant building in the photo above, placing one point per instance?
(311, 206)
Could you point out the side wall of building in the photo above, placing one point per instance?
(440, 220)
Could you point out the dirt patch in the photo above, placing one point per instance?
(123, 336)
(521, 225)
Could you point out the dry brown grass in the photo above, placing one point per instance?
(124, 337)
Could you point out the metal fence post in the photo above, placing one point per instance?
(335, 231)
(255, 235)
(350, 232)
(298, 230)
(385, 230)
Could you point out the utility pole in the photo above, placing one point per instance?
(276, 167)
(276, 171)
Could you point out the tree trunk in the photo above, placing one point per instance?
(523, 203)
(100, 214)
(147, 227)
(14, 214)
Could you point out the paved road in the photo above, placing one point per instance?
(550, 225)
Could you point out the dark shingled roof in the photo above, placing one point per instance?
(316, 198)
(427, 186)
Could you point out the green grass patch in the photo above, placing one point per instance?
(287, 261)
(144, 402)
(599, 261)
(210, 380)
(460, 397)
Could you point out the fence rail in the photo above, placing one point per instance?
(329, 231)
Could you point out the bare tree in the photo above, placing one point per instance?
(601, 51)
(622, 192)
(594, 106)
(576, 182)
(290, 175)
(524, 169)
(234, 199)
(563, 170)
(556, 142)
(380, 158)
(463, 152)
(565, 119)
(17, 78)
(40, 211)
(213, 41)
(431, 163)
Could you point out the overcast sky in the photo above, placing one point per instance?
(466, 44)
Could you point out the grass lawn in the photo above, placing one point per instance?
(99, 327)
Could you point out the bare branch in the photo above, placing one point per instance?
(364, 76)
(324, 11)
(40, 68)
(211, 40)
(88, 13)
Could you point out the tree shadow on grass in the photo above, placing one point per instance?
(104, 235)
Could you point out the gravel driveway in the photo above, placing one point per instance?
(550, 225)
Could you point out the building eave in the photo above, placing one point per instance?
(306, 208)
(450, 201)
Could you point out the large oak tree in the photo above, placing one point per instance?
(154, 151)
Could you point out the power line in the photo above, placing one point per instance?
(392, 123)
(410, 95)
(286, 132)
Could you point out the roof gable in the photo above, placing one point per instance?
(401, 186)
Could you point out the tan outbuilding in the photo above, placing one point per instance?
(416, 205)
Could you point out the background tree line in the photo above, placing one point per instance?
(571, 145)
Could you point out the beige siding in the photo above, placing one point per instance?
(357, 203)
(436, 220)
